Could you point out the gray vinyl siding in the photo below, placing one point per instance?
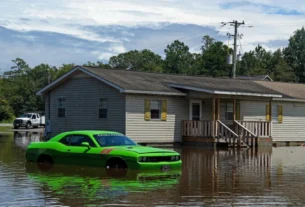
(253, 110)
(154, 131)
(82, 94)
(293, 126)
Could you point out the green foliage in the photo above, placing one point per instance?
(295, 54)
(144, 60)
(214, 55)
(178, 59)
(6, 113)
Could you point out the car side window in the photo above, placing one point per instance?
(34, 117)
(77, 140)
(65, 140)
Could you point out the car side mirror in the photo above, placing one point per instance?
(86, 144)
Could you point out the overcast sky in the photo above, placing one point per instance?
(77, 31)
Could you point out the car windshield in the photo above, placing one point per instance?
(26, 116)
(107, 140)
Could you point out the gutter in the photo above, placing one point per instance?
(289, 100)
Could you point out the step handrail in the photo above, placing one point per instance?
(239, 124)
(225, 126)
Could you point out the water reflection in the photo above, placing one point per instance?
(24, 138)
(96, 185)
(271, 176)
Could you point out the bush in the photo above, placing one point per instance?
(6, 112)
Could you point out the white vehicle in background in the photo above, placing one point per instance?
(29, 120)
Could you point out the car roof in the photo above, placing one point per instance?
(91, 132)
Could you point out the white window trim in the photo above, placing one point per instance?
(160, 110)
(98, 109)
(191, 108)
(65, 107)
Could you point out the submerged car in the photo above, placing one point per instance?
(101, 149)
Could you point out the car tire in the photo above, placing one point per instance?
(45, 162)
(116, 163)
(28, 125)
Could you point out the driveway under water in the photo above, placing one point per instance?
(266, 177)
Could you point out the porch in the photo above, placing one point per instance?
(226, 124)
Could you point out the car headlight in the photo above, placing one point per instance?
(173, 158)
(142, 159)
(177, 157)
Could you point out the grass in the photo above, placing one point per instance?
(9, 121)
(5, 129)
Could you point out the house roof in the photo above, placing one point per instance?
(288, 90)
(256, 77)
(168, 84)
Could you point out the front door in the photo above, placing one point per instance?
(195, 110)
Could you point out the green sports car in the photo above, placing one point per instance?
(101, 149)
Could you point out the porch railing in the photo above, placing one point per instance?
(245, 135)
(198, 128)
(224, 132)
(259, 128)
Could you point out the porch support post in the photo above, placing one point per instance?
(234, 109)
(218, 109)
(270, 124)
(214, 109)
(214, 117)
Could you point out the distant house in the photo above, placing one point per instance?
(163, 108)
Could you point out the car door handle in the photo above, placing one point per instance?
(68, 150)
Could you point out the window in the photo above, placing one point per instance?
(61, 106)
(113, 140)
(77, 140)
(155, 109)
(34, 117)
(229, 111)
(65, 140)
(103, 108)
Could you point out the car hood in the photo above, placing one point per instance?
(144, 150)
(22, 119)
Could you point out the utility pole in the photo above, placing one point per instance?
(236, 24)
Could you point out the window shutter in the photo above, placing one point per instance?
(267, 113)
(164, 110)
(237, 111)
(147, 110)
(280, 114)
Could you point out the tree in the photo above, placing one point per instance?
(98, 64)
(207, 42)
(178, 58)
(295, 54)
(144, 60)
(6, 112)
(214, 58)
(255, 62)
(65, 68)
(279, 70)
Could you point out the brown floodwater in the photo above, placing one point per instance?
(266, 177)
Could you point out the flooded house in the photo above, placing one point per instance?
(167, 108)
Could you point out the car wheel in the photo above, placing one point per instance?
(45, 162)
(116, 163)
(28, 125)
(116, 167)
